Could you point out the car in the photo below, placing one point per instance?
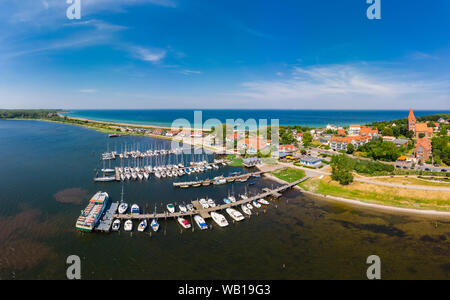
(427, 169)
(405, 167)
(398, 167)
(444, 170)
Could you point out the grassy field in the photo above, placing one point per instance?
(413, 181)
(235, 162)
(436, 200)
(289, 174)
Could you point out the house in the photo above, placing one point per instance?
(354, 130)
(279, 154)
(401, 142)
(443, 121)
(331, 127)
(325, 139)
(388, 138)
(172, 132)
(366, 131)
(252, 144)
(341, 143)
(157, 131)
(251, 162)
(288, 149)
(311, 161)
(299, 136)
(342, 132)
(197, 133)
(423, 149)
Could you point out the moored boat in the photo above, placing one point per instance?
(184, 223)
(155, 225)
(263, 201)
(237, 216)
(256, 204)
(135, 209)
(128, 225)
(116, 225)
(200, 222)
(171, 208)
(219, 219)
(143, 225)
(246, 210)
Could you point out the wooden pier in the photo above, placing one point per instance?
(205, 213)
(211, 181)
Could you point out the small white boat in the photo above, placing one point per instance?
(155, 225)
(244, 197)
(128, 176)
(140, 176)
(232, 199)
(237, 216)
(200, 222)
(263, 201)
(116, 225)
(128, 225)
(249, 206)
(256, 204)
(171, 208)
(211, 203)
(146, 176)
(135, 209)
(134, 176)
(184, 223)
(190, 207)
(123, 207)
(246, 210)
(143, 225)
(157, 174)
(219, 219)
(182, 208)
(204, 203)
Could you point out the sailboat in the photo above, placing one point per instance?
(123, 207)
(142, 226)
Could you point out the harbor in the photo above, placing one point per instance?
(218, 180)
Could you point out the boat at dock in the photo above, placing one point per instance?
(249, 206)
(135, 209)
(237, 216)
(256, 204)
(182, 208)
(246, 210)
(184, 223)
(263, 201)
(91, 215)
(171, 208)
(203, 203)
(105, 179)
(211, 203)
(116, 225)
(123, 207)
(219, 219)
(232, 199)
(226, 201)
(128, 225)
(200, 222)
(143, 225)
(155, 225)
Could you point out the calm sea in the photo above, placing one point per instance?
(46, 179)
(312, 118)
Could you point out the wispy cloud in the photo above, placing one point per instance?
(190, 72)
(153, 56)
(346, 86)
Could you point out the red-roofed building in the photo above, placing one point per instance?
(342, 132)
(341, 143)
(423, 149)
(366, 131)
(157, 131)
(288, 148)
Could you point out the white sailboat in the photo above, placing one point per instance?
(128, 225)
(142, 226)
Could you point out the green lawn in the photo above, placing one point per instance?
(289, 174)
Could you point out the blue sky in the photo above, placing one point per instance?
(225, 54)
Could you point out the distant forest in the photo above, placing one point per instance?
(28, 113)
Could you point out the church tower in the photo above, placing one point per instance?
(411, 121)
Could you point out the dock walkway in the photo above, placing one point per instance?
(106, 222)
(211, 181)
(205, 213)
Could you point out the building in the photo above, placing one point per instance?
(325, 139)
(342, 132)
(251, 162)
(366, 131)
(354, 130)
(389, 138)
(419, 128)
(401, 142)
(341, 143)
(311, 161)
(423, 149)
(252, 145)
(288, 149)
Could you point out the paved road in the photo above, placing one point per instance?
(313, 173)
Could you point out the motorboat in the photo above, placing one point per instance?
(190, 207)
(182, 208)
(135, 209)
(237, 216)
(204, 203)
(246, 210)
(219, 219)
(128, 225)
(249, 206)
(232, 199)
(211, 203)
(256, 204)
(263, 201)
(184, 223)
(171, 208)
(226, 201)
(143, 225)
(123, 207)
(155, 225)
(116, 225)
(244, 197)
(200, 222)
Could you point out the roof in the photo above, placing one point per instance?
(423, 127)
(411, 115)
(311, 159)
(355, 126)
(349, 139)
(288, 147)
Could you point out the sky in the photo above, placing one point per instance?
(203, 54)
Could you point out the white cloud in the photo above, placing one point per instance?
(88, 91)
(347, 86)
(153, 56)
(190, 72)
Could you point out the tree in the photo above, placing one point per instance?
(421, 135)
(387, 131)
(350, 148)
(342, 166)
(307, 139)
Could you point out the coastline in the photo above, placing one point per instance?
(373, 206)
(360, 203)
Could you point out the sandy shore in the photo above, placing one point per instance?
(377, 207)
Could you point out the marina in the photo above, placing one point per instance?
(206, 182)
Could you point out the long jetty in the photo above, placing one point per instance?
(211, 181)
(205, 213)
